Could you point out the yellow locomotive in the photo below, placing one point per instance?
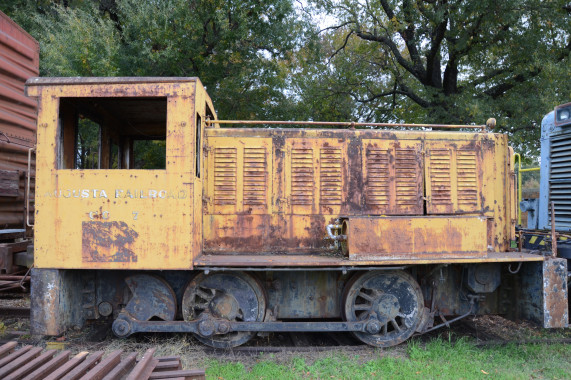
(245, 230)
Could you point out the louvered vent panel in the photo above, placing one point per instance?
(255, 169)
(377, 177)
(330, 176)
(302, 177)
(225, 176)
(467, 178)
(560, 179)
(440, 177)
(406, 176)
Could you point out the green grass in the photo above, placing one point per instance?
(435, 360)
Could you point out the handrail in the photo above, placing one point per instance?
(28, 187)
(489, 124)
(519, 171)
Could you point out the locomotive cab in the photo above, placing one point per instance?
(115, 157)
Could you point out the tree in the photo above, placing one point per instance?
(233, 47)
(456, 61)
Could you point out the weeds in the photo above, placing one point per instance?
(434, 360)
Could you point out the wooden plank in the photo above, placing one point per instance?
(74, 362)
(9, 183)
(84, 367)
(167, 358)
(145, 366)
(15, 364)
(7, 348)
(124, 366)
(31, 366)
(106, 365)
(172, 365)
(14, 355)
(49, 367)
(194, 374)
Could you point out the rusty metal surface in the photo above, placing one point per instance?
(31, 363)
(61, 81)
(52, 292)
(256, 260)
(217, 326)
(7, 256)
(539, 293)
(152, 297)
(417, 236)
(350, 124)
(228, 296)
(274, 191)
(114, 218)
(107, 242)
(305, 294)
(390, 302)
(555, 293)
(19, 60)
(263, 191)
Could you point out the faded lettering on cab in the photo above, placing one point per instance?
(118, 193)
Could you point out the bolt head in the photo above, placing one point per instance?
(206, 328)
(223, 328)
(121, 328)
(373, 327)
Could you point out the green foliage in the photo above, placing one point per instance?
(87, 150)
(235, 48)
(383, 61)
(454, 61)
(149, 154)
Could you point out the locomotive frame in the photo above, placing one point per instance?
(248, 230)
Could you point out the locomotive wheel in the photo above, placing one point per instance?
(391, 300)
(234, 296)
(151, 297)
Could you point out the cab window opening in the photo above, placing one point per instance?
(112, 133)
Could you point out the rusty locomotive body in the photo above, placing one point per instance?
(233, 231)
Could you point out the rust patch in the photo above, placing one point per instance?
(107, 242)
(353, 201)
(556, 312)
(415, 237)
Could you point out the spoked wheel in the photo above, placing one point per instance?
(392, 303)
(234, 296)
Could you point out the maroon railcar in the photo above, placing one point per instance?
(19, 60)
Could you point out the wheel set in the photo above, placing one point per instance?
(233, 296)
(226, 309)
